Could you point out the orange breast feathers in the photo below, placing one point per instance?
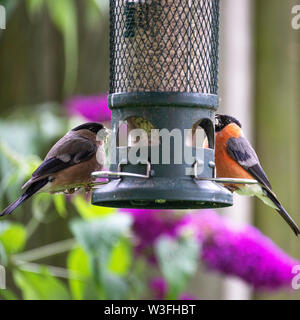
(227, 167)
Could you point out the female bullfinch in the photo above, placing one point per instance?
(69, 163)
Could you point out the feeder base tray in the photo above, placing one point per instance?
(162, 193)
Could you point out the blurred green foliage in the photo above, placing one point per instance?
(100, 261)
(64, 15)
(97, 265)
(40, 286)
(15, 231)
(178, 261)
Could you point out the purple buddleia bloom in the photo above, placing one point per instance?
(92, 108)
(158, 287)
(243, 252)
(149, 225)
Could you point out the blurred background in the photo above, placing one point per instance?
(54, 73)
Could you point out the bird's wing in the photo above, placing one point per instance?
(240, 150)
(64, 154)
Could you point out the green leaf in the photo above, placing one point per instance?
(88, 211)
(34, 6)
(120, 259)
(40, 205)
(60, 204)
(40, 286)
(78, 264)
(13, 237)
(98, 233)
(116, 288)
(178, 260)
(32, 162)
(99, 238)
(7, 294)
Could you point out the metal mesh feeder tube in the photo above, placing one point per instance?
(163, 81)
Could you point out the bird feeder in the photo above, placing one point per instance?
(163, 81)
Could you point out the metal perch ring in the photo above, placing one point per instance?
(222, 180)
(119, 174)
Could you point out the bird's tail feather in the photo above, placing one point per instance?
(35, 187)
(283, 213)
(289, 220)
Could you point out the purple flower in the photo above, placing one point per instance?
(92, 108)
(159, 288)
(149, 225)
(242, 252)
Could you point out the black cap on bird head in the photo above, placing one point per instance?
(222, 120)
(94, 127)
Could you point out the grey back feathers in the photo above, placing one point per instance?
(240, 150)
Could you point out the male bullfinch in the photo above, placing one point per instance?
(69, 163)
(235, 158)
